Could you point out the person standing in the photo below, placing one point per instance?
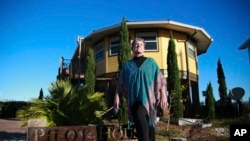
(144, 86)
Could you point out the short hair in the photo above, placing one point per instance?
(138, 39)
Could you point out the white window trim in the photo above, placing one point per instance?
(191, 47)
(113, 46)
(100, 50)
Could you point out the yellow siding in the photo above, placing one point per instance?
(131, 35)
(179, 40)
(101, 65)
(181, 57)
(106, 54)
(110, 63)
(192, 65)
(163, 48)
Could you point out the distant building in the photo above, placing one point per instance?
(246, 45)
(190, 41)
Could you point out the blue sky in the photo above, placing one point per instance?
(35, 34)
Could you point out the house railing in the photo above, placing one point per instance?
(70, 68)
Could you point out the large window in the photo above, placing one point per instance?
(113, 46)
(191, 49)
(150, 39)
(99, 51)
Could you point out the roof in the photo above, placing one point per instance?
(245, 45)
(202, 38)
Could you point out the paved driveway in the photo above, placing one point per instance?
(11, 129)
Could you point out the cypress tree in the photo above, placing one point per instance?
(90, 72)
(41, 94)
(221, 81)
(210, 102)
(124, 54)
(173, 82)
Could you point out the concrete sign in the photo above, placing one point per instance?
(37, 123)
(81, 133)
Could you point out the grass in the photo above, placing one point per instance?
(170, 132)
(227, 122)
(164, 134)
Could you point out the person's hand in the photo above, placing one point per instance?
(163, 98)
(163, 101)
(116, 101)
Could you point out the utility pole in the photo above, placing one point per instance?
(79, 40)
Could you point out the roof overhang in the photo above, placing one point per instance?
(245, 45)
(202, 38)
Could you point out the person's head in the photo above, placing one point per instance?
(138, 47)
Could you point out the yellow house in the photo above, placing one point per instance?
(191, 41)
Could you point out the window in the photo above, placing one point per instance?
(150, 39)
(191, 49)
(114, 44)
(99, 52)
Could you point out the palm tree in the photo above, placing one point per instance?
(66, 105)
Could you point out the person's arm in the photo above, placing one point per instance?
(116, 99)
(163, 97)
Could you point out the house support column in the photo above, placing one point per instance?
(195, 98)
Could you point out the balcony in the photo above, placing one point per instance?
(72, 69)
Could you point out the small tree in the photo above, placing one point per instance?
(89, 74)
(173, 82)
(41, 94)
(210, 102)
(124, 54)
(221, 81)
